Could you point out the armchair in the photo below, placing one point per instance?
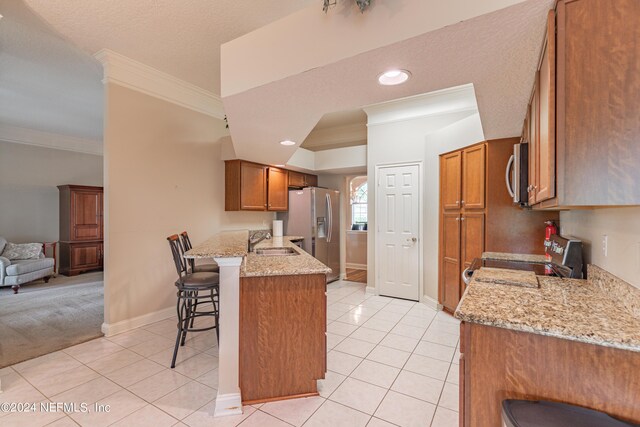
(20, 271)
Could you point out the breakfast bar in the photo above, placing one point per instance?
(272, 319)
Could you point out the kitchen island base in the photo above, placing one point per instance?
(282, 336)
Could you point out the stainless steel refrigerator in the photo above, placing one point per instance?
(314, 213)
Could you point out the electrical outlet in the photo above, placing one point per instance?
(605, 245)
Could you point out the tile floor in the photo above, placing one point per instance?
(391, 362)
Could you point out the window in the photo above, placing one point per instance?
(359, 200)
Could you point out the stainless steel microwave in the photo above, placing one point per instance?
(517, 174)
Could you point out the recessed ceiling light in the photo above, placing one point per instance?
(287, 142)
(393, 77)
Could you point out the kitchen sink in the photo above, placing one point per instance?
(276, 252)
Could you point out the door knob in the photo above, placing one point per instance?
(412, 240)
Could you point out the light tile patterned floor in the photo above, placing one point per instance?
(391, 362)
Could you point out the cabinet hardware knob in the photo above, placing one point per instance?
(457, 202)
(461, 218)
(457, 218)
(462, 202)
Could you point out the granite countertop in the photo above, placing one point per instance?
(227, 244)
(603, 310)
(502, 256)
(231, 244)
(303, 263)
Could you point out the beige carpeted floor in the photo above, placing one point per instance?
(43, 318)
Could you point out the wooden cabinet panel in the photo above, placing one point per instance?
(282, 336)
(472, 239)
(86, 215)
(296, 179)
(253, 187)
(310, 180)
(546, 155)
(473, 177)
(450, 268)
(76, 258)
(534, 120)
(505, 364)
(278, 190)
(450, 180)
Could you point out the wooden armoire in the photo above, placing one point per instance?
(81, 229)
(477, 214)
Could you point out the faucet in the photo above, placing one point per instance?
(253, 243)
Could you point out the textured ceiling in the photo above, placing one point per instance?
(496, 52)
(46, 84)
(181, 38)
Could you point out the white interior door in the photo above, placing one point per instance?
(398, 231)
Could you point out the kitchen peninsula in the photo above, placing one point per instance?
(272, 319)
(566, 340)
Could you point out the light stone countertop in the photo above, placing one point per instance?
(231, 244)
(503, 256)
(303, 263)
(603, 310)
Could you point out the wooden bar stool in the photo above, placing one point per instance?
(194, 288)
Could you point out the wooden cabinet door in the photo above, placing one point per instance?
(546, 153)
(296, 179)
(450, 269)
(86, 215)
(253, 187)
(278, 190)
(310, 180)
(473, 177)
(450, 188)
(472, 241)
(534, 117)
(85, 255)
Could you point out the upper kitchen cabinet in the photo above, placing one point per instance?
(451, 172)
(473, 172)
(585, 111)
(254, 187)
(301, 180)
(277, 189)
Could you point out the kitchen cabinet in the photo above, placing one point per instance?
(277, 189)
(451, 188)
(586, 103)
(487, 220)
(81, 228)
(282, 344)
(498, 363)
(301, 180)
(254, 187)
(450, 265)
(473, 165)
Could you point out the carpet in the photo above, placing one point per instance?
(49, 318)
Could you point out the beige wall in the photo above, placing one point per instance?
(622, 228)
(416, 140)
(163, 175)
(29, 207)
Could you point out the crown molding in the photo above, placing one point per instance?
(132, 74)
(19, 135)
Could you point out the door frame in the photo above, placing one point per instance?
(420, 165)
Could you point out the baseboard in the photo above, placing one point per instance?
(370, 290)
(228, 404)
(356, 266)
(110, 329)
(431, 303)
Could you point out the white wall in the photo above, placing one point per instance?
(419, 139)
(622, 228)
(29, 176)
(163, 175)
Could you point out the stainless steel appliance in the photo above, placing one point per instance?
(314, 213)
(517, 174)
(566, 261)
